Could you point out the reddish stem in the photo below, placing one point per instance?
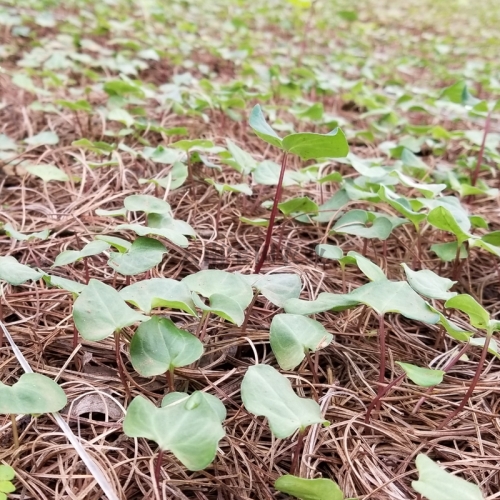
(249, 311)
(75, 336)
(475, 174)
(170, 380)
(385, 390)
(87, 273)
(472, 385)
(274, 211)
(159, 460)
(297, 451)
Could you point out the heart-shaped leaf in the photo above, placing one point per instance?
(302, 205)
(447, 252)
(309, 489)
(223, 306)
(31, 394)
(478, 315)
(309, 146)
(213, 281)
(277, 288)
(429, 284)
(15, 273)
(402, 205)
(71, 286)
(265, 392)
(434, 483)
(262, 128)
(364, 224)
(159, 346)
(366, 266)
(69, 256)
(244, 161)
(162, 221)
(188, 426)
(146, 203)
(173, 236)
(10, 231)
(327, 251)
(119, 243)
(159, 292)
(293, 335)
(395, 296)
(143, 255)
(442, 218)
(100, 311)
(424, 377)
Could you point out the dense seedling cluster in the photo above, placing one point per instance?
(247, 258)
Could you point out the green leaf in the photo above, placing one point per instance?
(69, 285)
(160, 221)
(188, 426)
(453, 330)
(159, 346)
(7, 144)
(213, 281)
(363, 224)
(122, 116)
(174, 180)
(434, 483)
(119, 243)
(159, 292)
(163, 155)
(366, 266)
(80, 105)
(277, 288)
(100, 311)
(331, 252)
(255, 222)
(292, 336)
(442, 218)
(47, 172)
(47, 138)
(458, 93)
(448, 251)
(15, 273)
(309, 146)
(143, 255)
(300, 205)
(478, 316)
(146, 203)
(223, 306)
(10, 231)
(31, 394)
(7, 473)
(119, 212)
(244, 161)
(402, 205)
(173, 236)
(424, 377)
(268, 172)
(395, 296)
(231, 188)
(187, 145)
(325, 302)
(98, 147)
(262, 128)
(309, 489)
(69, 256)
(429, 284)
(265, 392)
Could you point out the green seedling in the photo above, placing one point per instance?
(306, 146)
(163, 221)
(188, 426)
(90, 249)
(10, 231)
(242, 161)
(159, 347)
(265, 392)
(32, 394)
(99, 312)
(174, 236)
(293, 337)
(277, 288)
(174, 180)
(47, 173)
(97, 147)
(479, 318)
(309, 489)
(143, 255)
(147, 204)
(434, 483)
(429, 284)
(159, 292)
(118, 243)
(7, 475)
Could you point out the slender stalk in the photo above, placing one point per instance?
(170, 379)
(274, 211)
(475, 174)
(297, 451)
(312, 367)
(75, 336)
(365, 247)
(127, 280)
(217, 216)
(159, 460)
(87, 273)
(204, 314)
(456, 262)
(447, 367)
(385, 390)
(249, 311)
(120, 365)
(381, 342)
(342, 267)
(15, 432)
(472, 385)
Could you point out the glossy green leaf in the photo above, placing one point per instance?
(434, 483)
(262, 128)
(478, 316)
(424, 377)
(10, 231)
(143, 255)
(69, 256)
(174, 236)
(442, 218)
(310, 146)
(119, 243)
(15, 273)
(454, 331)
(293, 335)
(360, 223)
(100, 311)
(146, 203)
(429, 284)
(159, 346)
(298, 205)
(188, 426)
(402, 205)
(309, 489)
(222, 305)
(31, 394)
(159, 292)
(366, 266)
(447, 251)
(277, 288)
(265, 392)
(7, 473)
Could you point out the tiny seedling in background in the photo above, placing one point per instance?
(7, 475)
